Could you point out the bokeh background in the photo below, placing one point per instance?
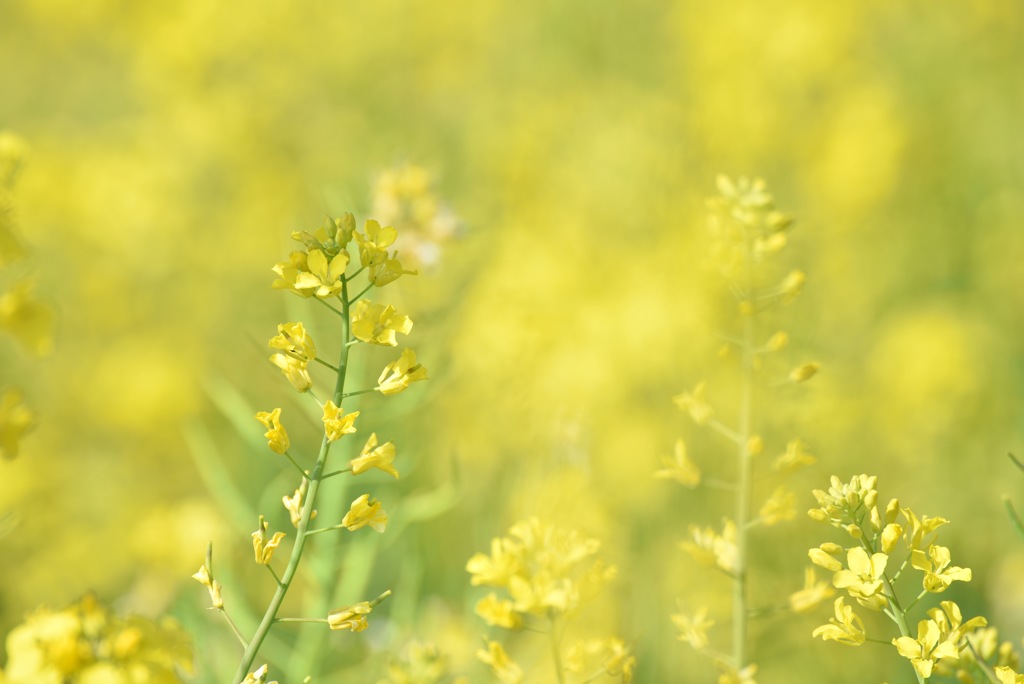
(570, 146)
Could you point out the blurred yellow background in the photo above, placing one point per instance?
(174, 146)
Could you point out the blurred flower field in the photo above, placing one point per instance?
(605, 364)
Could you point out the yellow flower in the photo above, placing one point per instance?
(498, 612)
(1006, 675)
(258, 677)
(336, 423)
(378, 324)
(16, 419)
(365, 511)
(373, 456)
(294, 370)
(845, 628)
(681, 468)
(694, 630)
(920, 528)
(293, 504)
(694, 402)
(938, 573)
(388, 271)
(505, 669)
(324, 276)
(813, 593)
(288, 273)
(374, 243)
(400, 373)
(499, 567)
(826, 555)
(710, 548)
(277, 436)
(794, 458)
(293, 340)
(261, 546)
(352, 618)
(864, 578)
(924, 651)
(212, 585)
(780, 506)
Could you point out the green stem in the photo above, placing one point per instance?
(324, 363)
(251, 651)
(555, 651)
(340, 313)
(744, 485)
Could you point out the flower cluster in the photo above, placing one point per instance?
(547, 573)
(332, 256)
(86, 642)
(886, 543)
(404, 197)
(746, 230)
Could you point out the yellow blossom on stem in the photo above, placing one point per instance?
(813, 593)
(212, 585)
(694, 629)
(352, 618)
(794, 458)
(288, 273)
(927, 649)
(505, 669)
(936, 566)
(374, 242)
(294, 340)
(378, 324)
(296, 371)
(710, 548)
(337, 424)
(293, 504)
(864, 578)
(374, 456)
(1006, 675)
(277, 436)
(826, 556)
(400, 373)
(365, 511)
(780, 506)
(498, 612)
(324, 275)
(259, 676)
(845, 628)
(388, 271)
(261, 546)
(499, 567)
(694, 402)
(680, 468)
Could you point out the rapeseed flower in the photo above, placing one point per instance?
(337, 424)
(378, 324)
(365, 511)
(374, 456)
(277, 436)
(400, 373)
